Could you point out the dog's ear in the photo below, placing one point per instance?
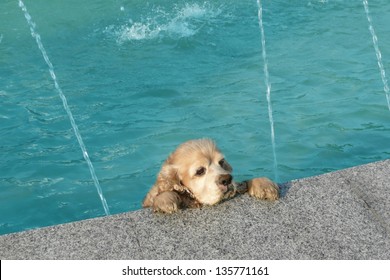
(167, 180)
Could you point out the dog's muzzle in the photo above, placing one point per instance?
(224, 181)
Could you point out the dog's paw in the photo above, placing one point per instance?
(263, 188)
(167, 202)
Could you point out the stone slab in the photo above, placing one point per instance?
(338, 215)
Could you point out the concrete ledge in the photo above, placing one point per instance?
(339, 215)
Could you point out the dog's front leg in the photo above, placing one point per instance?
(167, 202)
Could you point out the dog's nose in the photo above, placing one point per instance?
(225, 179)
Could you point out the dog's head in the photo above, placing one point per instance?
(198, 167)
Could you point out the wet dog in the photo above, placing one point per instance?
(197, 174)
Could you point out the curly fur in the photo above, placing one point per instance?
(197, 174)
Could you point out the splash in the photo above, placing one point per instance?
(378, 53)
(268, 84)
(181, 22)
(37, 38)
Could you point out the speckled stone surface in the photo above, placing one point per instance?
(339, 215)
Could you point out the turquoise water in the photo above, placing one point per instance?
(140, 77)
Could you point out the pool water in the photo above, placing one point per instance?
(141, 77)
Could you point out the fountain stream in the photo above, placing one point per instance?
(378, 53)
(268, 85)
(37, 38)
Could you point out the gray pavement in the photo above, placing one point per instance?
(339, 215)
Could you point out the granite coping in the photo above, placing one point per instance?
(339, 215)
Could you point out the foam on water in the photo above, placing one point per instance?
(181, 22)
(37, 38)
(378, 53)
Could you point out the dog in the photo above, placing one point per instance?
(198, 174)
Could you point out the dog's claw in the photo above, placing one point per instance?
(263, 188)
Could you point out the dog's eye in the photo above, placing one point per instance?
(200, 171)
(221, 162)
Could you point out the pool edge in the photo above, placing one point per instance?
(339, 215)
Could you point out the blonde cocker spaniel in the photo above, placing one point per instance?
(197, 174)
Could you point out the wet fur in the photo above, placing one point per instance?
(197, 174)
